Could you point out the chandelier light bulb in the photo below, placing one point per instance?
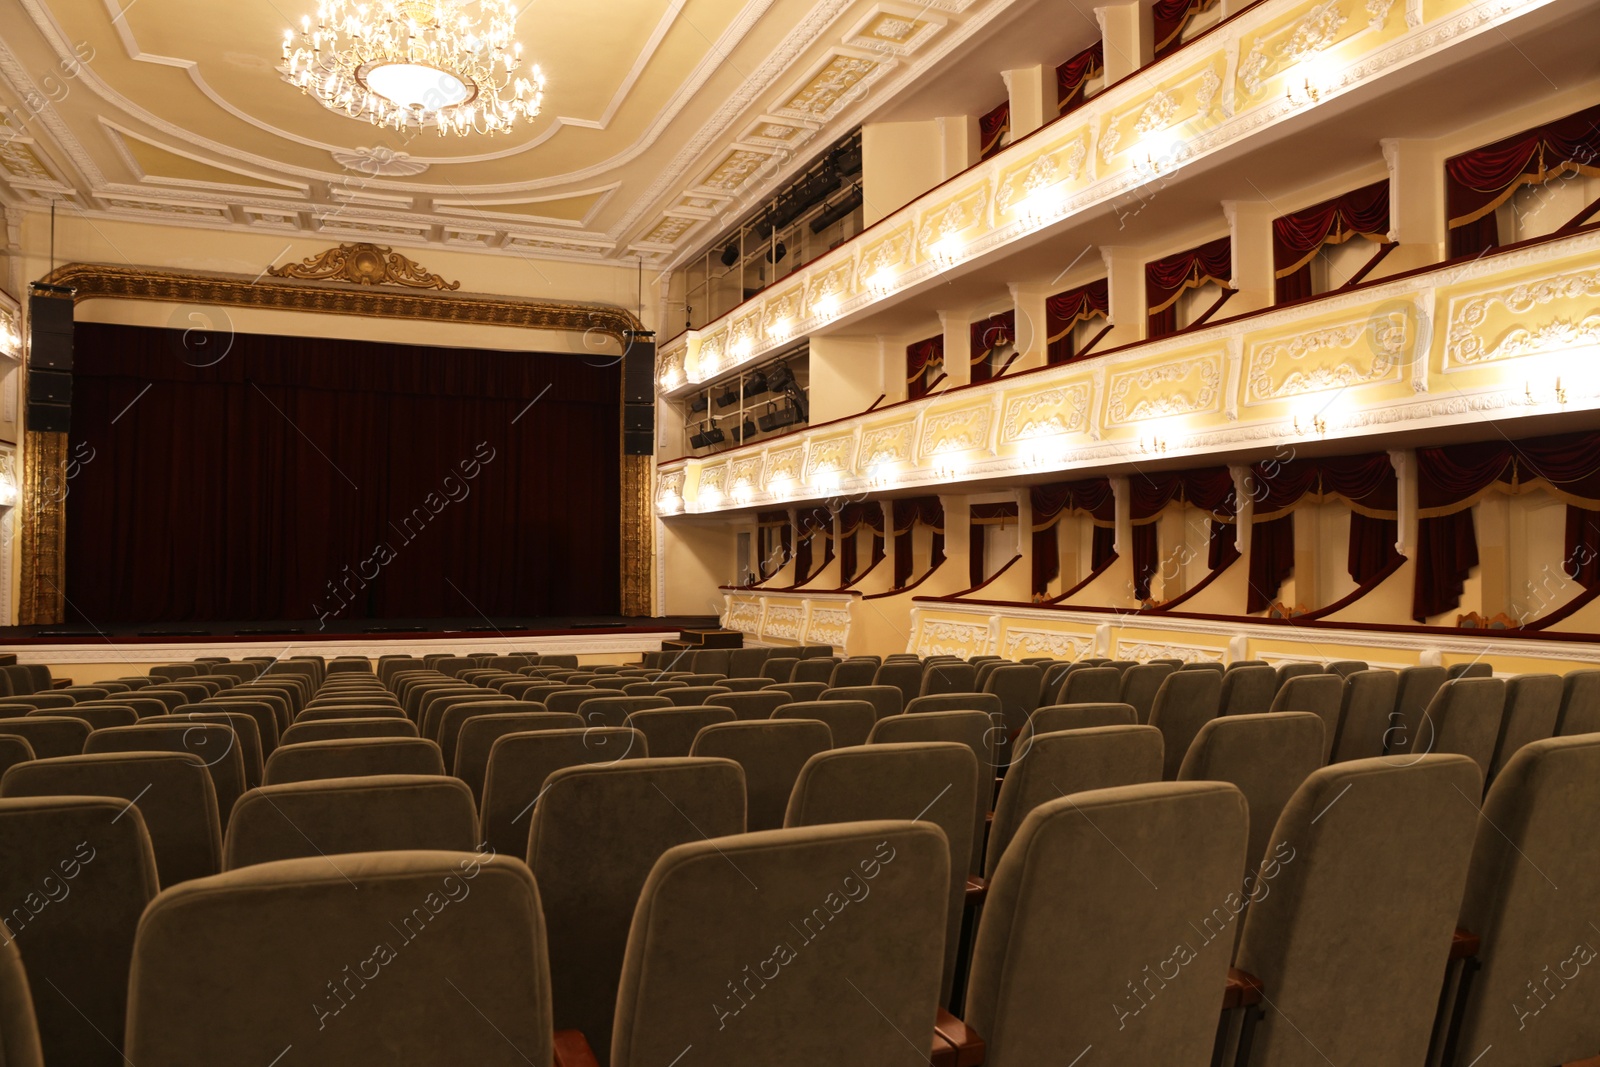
(405, 63)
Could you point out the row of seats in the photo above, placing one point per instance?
(582, 839)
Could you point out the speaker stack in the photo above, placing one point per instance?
(639, 393)
(49, 401)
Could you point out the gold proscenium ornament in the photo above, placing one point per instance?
(363, 264)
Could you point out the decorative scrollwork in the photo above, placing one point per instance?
(363, 264)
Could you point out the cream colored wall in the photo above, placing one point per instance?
(694, 559)
(899, 162)
(847, 375)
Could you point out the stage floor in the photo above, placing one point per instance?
(478, 628)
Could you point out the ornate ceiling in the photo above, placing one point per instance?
(661, 119)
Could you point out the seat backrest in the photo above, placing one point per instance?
(325, 817)
(1418, 687)
(779, 668)
(263, 714)
(172, 791)
(688, 696)
(638, 688)
(1580, 703)
(98, 716)
(1057, 717)
(1320, 694)
(1061, 764)
(20, 678)
(217, 746)
(1248, 690)
(78, 872)
(1403, 823)
(19, 1033)
(338, 729)
(454, 665)
(614, 710)
(949, 676)
(1139, 686)
(1366, 715)
(1186, 701)
(1532, 890)
(14, 749)
(479, 734)
(437, 983)
(849, 721)
(771, 753)
(934, 781)
(1476, 669)
(315, 712)
(746, 662)
(51, 735)
(458, 715)
(1119, 876)
(1266, 756)
(799, 691)
(1287, 671)
(710, 661)
(434, 707)
(973, 729)
(987, 703)
(757, 705)
(1346, 667)
(246, 734)
(597, 832)
(815, 669)
(886, 700)
(1017, 687)
(853, 672)
(904, 675)
(1533, 704)
(670, 732)
(1091, 685)
(885, 884)
(520, 763)
(1464, 717)
(353, 757)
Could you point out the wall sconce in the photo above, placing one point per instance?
(10, 338)
(8, 488)
(882, 282)
(1308, 81)
(1558, 393)
(741, 491)
(827, 481)
(882, 476)
(668, 503)
(710, 497)
(827, 305)
(672, 377)
(948, 467)
(781, 486)
(946, 251)
(1042, 205)
(1316, 422)
(1044, 452)
(742, 348)
(781, 329)
(1152, 445)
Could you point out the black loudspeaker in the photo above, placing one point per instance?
(50, 332)
(49, 387)
(49, 418)
(639, 429)
(639, 367)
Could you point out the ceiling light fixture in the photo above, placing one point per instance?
(405, 63)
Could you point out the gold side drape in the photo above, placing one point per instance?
(44, 531)
(638, 534)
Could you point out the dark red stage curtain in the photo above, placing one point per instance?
(1065, 310)
(1207, 488)
(1271, 561)
(986, 336)
(980, 517)
(774, 542)
(1169, 17)
(1103, 549)
(1447, 550)
(1071, 76)
(920, 357)
(1582, 563)
(1371, 546)
(1479, 181)
(1297, 238)
(252, 477)
(814, 524)
(852, 517)
(1165, 280)
(992, 128)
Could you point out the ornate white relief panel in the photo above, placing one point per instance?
(1046, 412)
(1019, 642)
(1533, 317)
(1361, 350)
(957, 429)
(1182, 387)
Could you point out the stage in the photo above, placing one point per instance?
(85, 653)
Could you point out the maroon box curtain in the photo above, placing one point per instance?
(927, 510)
(813, 524)
(980, 517)
(1297, 238)
(1207, 488)
(1582, 560)
(992, 128)
(1092, 497)
(1451, 480)
(1065, 310)
(1166, 279)
(922, 359)
(1365, 483)
(1169, 17)
(253, 477)
(774, 542)
(1478, 182)
(1072, 75)
(852, 517)
(986, 336)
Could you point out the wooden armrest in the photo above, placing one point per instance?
(977, 889)
(60, 683)
(955, 1044)
(1464, 944)
(572, 1050)
(988, 818)
(1243, 989)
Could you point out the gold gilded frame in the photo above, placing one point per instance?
(43, 513)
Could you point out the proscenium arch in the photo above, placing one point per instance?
(43, 534)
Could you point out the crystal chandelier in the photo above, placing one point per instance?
(404, 63)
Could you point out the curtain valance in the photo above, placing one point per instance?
(1366, 483)
(992, 129)
(1481, 180)
(1076, 72)
(1297, 238)
(1166, 279)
